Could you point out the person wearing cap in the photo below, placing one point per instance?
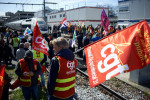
(61, 78)
(28, 71)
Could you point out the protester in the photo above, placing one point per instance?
(86, 41)
(15, 43)
(28, 70)
(80, 45)
(4, 89)
(10, 39)
(61, 78)
(71, 46)
(26, 46)
(20, 52)
(25, 39)
(21, 36)
(41, 58)
(95, 38)
(7, 80)
(51, 51)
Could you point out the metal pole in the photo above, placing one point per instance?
(22, 7)
(44, 10)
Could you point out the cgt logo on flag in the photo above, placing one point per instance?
(38, 41)
(111, 60)
(124, 51)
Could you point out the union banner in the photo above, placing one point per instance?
(38, 42)
(121, 52)
(2, 71)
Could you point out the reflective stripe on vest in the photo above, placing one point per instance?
(65, 88)
(65, 80)
(25, 80)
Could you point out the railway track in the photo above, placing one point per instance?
(106, 90)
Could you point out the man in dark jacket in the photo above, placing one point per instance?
(61, 79)
(28, 70)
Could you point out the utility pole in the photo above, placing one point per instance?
(30, 4)
(44, 10)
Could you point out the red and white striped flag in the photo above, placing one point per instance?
(64, 22)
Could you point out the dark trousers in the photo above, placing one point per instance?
(27, 91)
(54, 98)
(15, 49)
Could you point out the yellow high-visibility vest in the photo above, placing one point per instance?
(38, 55)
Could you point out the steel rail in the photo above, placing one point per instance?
(118, 96)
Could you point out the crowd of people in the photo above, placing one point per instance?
(62, 66)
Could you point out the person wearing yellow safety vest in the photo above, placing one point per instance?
(28, 71)
(41, 58)
(61, 78)
(15, 43)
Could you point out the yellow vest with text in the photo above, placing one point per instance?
(38, 55)
(15, 42)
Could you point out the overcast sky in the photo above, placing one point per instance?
(61, 4)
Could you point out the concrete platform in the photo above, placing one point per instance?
(126, 78)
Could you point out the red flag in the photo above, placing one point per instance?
(104, 20)
(69, 24)
(64, 22)
(38, 41)
(124, 51)
(82, 24)
(2, 71)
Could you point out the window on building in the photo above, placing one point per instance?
(50, 17)
(30, 14)
(23, 14)
(123, 9)
(122, 1)
(54, 16)
(64, 15)
(60, 15)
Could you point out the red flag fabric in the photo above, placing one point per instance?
(69, 24)
(64, 22)
(38, 42)
(2, 71)
(124, 51)
(104, 20)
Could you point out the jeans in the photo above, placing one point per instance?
(42, 79)
(27, 91)
(54, 98)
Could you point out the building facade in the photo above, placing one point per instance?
(19, 15)
(86, 15)
(133, 11)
